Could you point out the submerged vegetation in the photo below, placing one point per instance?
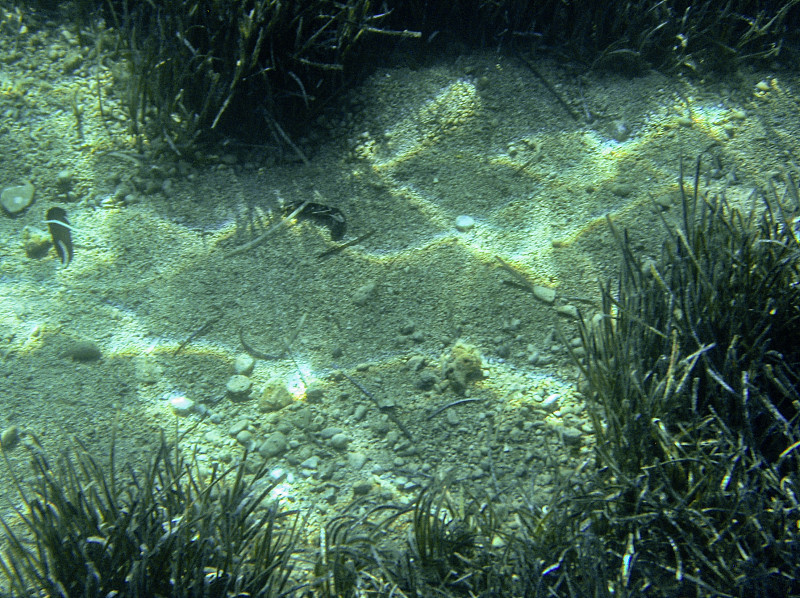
(690, 374)
(196, 65)
(264, 71)
(89, 530)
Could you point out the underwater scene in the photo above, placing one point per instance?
(403, 299)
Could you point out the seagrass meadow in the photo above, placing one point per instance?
(399, 299)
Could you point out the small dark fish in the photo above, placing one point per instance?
(59, 228)
(328, 216)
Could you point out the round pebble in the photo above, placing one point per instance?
(181, 405)
(356, 460)
(550, 403)
(238, 426)
(9, 438)
(83, 351)
(340, 441)
(15, 199)
(571, 436)
(238, 385)
(464, 223)
(310, 463)
(273, 446)
(243, 364)
(362, 488)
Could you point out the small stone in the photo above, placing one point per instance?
(568, 310)
(212, 437)
(330, 432)
(386, 403)
(356, 460)
(243, 364)
(426, 381)
(181, 405)
(464, 223)
(360, 413)
(571, 436)
(550, 402)
(310, 463)
(362, 488)
(620, 131)
(407, 327)
(621, 189)
(64, 180)
(463, 365)
(498, 542)
(275, 396)
(416, 363)
(9, 438)
(72, 61)
(274, 445)
(340, 441)
(762, 86)
(147, 370)
(238, 426)
(244, 437)
(15, 199)
(545, 294)
(238, 386)
(314, 392)
(35, 242)
(364, 293)
(83, 352)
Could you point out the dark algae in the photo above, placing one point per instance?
(59, 228)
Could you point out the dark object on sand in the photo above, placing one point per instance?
(328, 216)
(59, 228)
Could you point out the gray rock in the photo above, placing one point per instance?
(340, 441)
(238, 386)
(83, 351)
(181, 405)
(464, 223)
(356, 460)
(330, 432)
(362, 488)
(310, 463)
(274, 445)
(571, 436)
(544, 294)
(426, 381)
(568, 310)
(243, 364)
(244, 437)
(15, 199)
(238, 426)
(364, 293)
(550, 402)
(360, 413)
(64, 179)
(315, 392)
(9, 438)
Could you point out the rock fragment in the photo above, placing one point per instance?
(15, 199)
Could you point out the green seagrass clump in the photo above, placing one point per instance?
(85, 529)
(692, 382)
